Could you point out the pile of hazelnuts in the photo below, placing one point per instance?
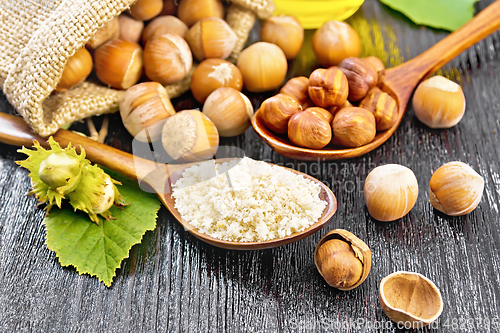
(339, 106)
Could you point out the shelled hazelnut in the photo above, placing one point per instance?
(212, 74)
(439, 102)
(76, 70)
(328, 87)
(378, 66)
(263, 66)
(336, 108)
(354, 127)
(229, 110)
(309, 129)
(390, 191)
(335, 41)
(277, 110)
(190, 136)
(211, 37)
(167, 58)
(191, 11)
(383, 107)
(109, 31)
(130, 28)
(297, 88)
(118, 63)
(360, 75)
(456, 189)
(320, 112)
(167, 24)
(284, 31)
(143, 110)
(145, 10)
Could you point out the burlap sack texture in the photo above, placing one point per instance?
(37, 39)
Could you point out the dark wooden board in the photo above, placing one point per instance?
(172, 282)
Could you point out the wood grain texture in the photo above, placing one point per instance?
(173, 282)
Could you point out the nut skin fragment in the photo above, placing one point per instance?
(328, 87)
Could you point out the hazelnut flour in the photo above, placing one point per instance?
(246, 200)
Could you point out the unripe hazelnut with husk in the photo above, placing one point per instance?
(167, 24)
(334, 41)
(277, 110)
(145, 10)
(190, 136)
(130, 28)
(144, 108)
(229, 110)
(109, 31)
(297, 88)
(118, 63)
(60, 169)
(383, 107)
(76, 70)
(284, 31)
(342, 259)
(106, 197)
(191, 11)
(328, 87)
(212, 74)
(390, 191)
(309, 129)
(211, 37)
(354, 127)
(456, 189)
(167, 58)
(360, 75)
(439, 102)
(263, 66)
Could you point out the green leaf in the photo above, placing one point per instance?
(98, 250)
(442, 14)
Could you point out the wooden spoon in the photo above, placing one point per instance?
(14, 131)
(400, 82)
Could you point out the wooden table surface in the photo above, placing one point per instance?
(173, 282)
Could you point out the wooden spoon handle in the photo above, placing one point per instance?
(405, 77)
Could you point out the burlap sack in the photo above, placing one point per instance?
(37, 37)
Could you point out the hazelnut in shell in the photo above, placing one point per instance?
(284, 31)
(145, 10)
(334, 41)
(211, 37)
(328, 87)
(144, 108)
(383, 107)
(410, 299)
(456, 189)
(342, 259)
(214, 73)
(263, 66)
(378, 66)
(354, 127)
(118, 63)
(111, 30)
(167, 58)
(229, 110)
(439, 102)
(361, 76)
(76, 69)
(166, 24)
(309, 129)
(130, 28)
(190, 136)
(277, 110)
(390, 191)
(191, 11)
(297, 87)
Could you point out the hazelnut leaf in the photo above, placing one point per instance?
(442, 14)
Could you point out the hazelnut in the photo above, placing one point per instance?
(110, 30)
(342, 259)
(191, 11)
(167, 58)
(190, 136)
(410, 298)
(320, 112)
(390, 191)
(361, 76)
(212, 74)
(297, 88)
(383, 107)
(354, 127)
(211, 37)
(309, 129)
(167, 24)
(169, 7)
(130, 29)
(145, 10)
(334, 42)
(284, 31)
(144, 108)
(229, 110)
(439, 102)
(336, 108)
(263, 66)
(456, 189)
(378, 66)
(76, 69)
(118, 63)
(328, 87)
(277, 110)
